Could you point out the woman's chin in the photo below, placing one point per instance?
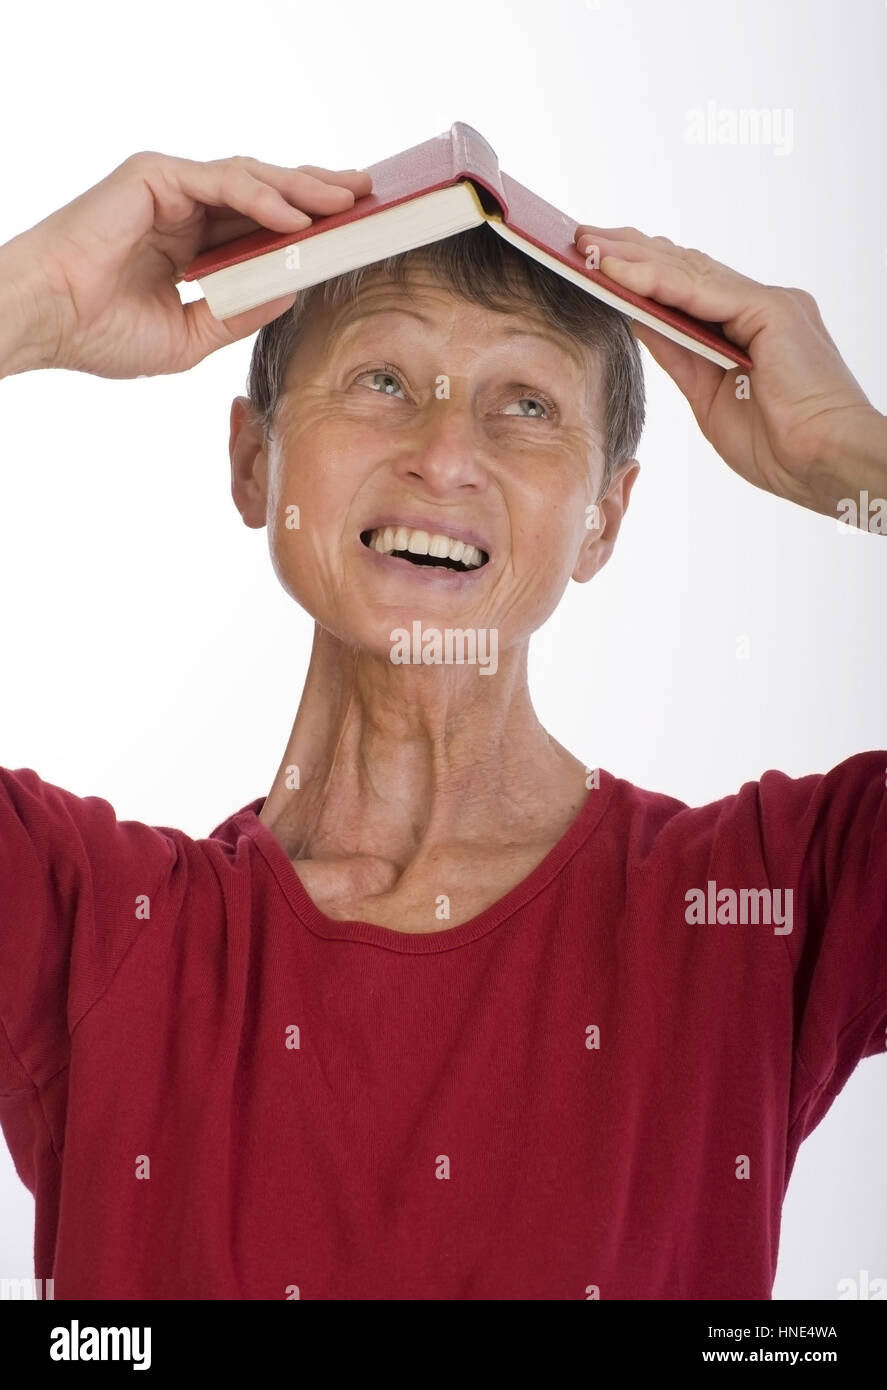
(414, 637)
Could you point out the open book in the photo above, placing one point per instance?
(431, 191)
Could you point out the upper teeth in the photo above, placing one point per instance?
(388, 538)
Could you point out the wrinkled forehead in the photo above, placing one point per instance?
(510, 314)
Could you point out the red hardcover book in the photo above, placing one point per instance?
(433, 190)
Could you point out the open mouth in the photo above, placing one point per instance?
(426, 548)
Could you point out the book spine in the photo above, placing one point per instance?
(473, 158)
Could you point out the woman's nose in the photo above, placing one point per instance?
(447, 452)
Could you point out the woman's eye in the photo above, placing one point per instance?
(390, 383)
(537, 406)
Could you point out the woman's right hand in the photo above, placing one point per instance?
(94, 284)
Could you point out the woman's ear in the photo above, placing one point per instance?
(603, 521)
(249, 464)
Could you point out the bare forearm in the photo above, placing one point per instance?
(854, 461)
(26, 329)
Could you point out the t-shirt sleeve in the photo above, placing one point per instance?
(74, 885)
(825, 837)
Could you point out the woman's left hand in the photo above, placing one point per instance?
(796, 423)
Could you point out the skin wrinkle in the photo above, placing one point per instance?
(419, 780)
(358, 312)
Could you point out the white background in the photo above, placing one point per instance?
(148, 653)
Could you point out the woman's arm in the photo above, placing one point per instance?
(799, 425)
(26, 332)
(92, 287)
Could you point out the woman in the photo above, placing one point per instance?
(446, 1014)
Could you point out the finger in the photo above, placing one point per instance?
(615, 233)
(332, 188)
(244, 190)
(624, 250)
(694, 283)
(224, 225)
(632, 247)
(358, 180)
(179, 186)
(206, 333)
(675, 266)
(281, 201)
(220, 230)
(697, 378)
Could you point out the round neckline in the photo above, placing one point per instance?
(584, 823)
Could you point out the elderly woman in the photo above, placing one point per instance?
(445, 1015)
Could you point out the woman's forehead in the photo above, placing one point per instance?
(431, 301)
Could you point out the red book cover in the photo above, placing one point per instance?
(463, 153)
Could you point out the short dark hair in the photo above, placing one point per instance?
(485, 269)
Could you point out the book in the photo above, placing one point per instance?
(433, 190)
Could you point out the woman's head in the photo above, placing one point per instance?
(462, 390)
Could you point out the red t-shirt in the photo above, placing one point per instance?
(590, 1089)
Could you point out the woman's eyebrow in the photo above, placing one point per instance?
(559, 340)
(354, 314)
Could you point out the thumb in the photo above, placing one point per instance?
(205, 333)
(698, 378)
(695, 376)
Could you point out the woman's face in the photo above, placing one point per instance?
(415, 410)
